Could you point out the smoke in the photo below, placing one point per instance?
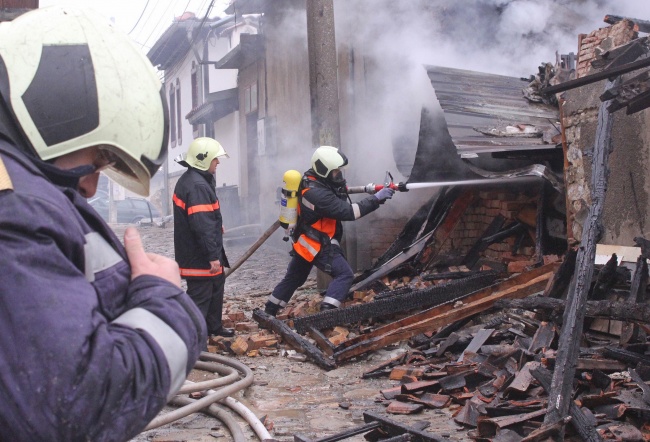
(394, 40)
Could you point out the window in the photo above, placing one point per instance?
(250, 98)
(179, 117)
(172, 116)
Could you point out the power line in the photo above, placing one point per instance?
(139, 18)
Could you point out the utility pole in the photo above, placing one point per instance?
(323, 83)
(323, 67)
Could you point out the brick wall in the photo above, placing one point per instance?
(513, 206)
(600, 40)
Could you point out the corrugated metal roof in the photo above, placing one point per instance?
(488, 113)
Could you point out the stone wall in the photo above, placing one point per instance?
(627, 207)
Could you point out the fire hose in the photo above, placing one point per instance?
(229, 368)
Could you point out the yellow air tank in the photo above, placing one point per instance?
(289, 199)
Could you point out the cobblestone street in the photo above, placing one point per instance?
(298, 397)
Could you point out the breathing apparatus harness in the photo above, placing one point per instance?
(309, 181)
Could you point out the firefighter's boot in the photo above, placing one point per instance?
(326, 306)
(271, 309)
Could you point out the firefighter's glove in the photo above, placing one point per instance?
(384, 194)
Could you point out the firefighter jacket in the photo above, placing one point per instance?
(198, 231)
(321, 209)
(86, 353)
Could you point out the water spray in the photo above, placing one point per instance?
(405, 187)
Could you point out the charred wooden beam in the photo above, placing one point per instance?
(430, 296)
(339, 436)
(629, 94)
(602, 75)
(639, 103)
(483, 242)
(573, 320)
(643, 25)
(394, 428)
(605, 279)
(294, 339)
(644, 244)
(562, 278)
(638, 286)
(585, 428)
(624, 54)
(616, 310)
(518, 286)
(629, 357)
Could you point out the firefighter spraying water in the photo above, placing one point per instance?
(323, 203)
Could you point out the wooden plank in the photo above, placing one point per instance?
(322, 341)
(518, 286)
(476, 343)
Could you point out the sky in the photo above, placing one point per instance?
(145, 20)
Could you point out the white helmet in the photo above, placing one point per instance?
(69, 80)
(327, 158)
(201, 153)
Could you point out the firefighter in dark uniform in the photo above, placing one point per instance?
(323, 205)
(95, 336)
(198, 231)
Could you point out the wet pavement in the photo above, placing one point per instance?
(297, 397)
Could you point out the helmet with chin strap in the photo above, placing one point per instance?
(326, 160)
(201, 153)
(69, 81)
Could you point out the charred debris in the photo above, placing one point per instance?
(510, 322)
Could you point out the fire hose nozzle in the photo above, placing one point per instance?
(401, 187)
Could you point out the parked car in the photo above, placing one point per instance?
(129, 210)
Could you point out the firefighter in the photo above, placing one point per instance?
(198, 231)
(323, 204)
(95, 337)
